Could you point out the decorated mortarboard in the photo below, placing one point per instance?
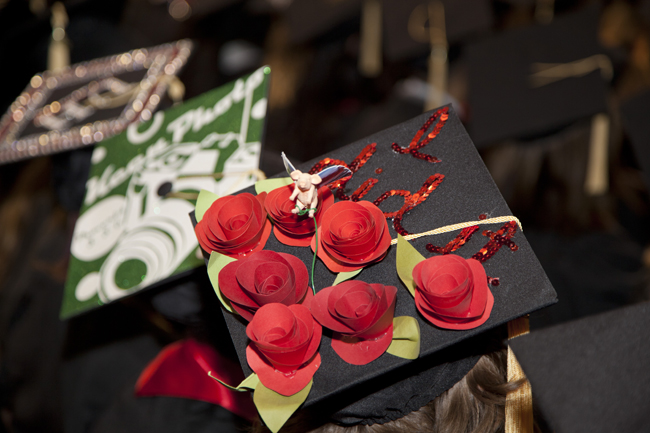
(88, 102)
(591, 375)
(130, 232)
(532, 81)
(634, 114)
(408, 24)
(369, 307)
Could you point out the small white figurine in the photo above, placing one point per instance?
(305, 192)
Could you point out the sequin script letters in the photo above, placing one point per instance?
(410, 200)
(417, 142)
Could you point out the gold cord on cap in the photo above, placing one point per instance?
(519, 403)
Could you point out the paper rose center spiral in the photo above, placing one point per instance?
(452, 292)
(284, 347)
(352, 235)
(361, 316)
(234, 225)
(262, 278)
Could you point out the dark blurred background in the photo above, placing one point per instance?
(536, 139)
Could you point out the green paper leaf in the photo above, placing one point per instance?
(250, 383)
(215, 265)
(268, 185)
(407, 258)
(203, 203)
(344, 276)
(406, 338)
(275, 409)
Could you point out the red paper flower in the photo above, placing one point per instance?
(289, 228)
(361, 316)
(283, 348)
(352, 235)
(235, 225)
(264, 277)
(452, 292)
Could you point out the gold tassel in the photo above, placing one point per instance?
(519, 403)
(597, 177)
(58, 56)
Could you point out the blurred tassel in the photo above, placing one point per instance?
(544, 11)
(597, 177)
(370, 57)
(58, 56)
(437, 78)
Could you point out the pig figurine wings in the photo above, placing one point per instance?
(305, 190)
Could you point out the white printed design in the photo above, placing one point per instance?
(145, 226)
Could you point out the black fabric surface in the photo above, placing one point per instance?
(463, 19)
(308, 19)
(504, 105)
(591, 375)
(466, 192)
(634, 114)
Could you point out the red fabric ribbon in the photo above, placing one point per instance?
(181, 370)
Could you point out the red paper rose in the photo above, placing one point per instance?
(352, 235)
(289, 228)
(452, 292)
(262, 278)
(283, 348)
(361, 316)
(235, 225)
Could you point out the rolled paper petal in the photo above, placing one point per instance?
(263, 278)
(284, 345)
(278, 381)
(452, 292)
(352, 235)
(361, 315)
(234, 225)
(359, 351)
(293, 229)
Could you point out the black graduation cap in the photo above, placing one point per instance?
(467, 193)
(634, 114)
(591, 375)
(534, 80)
(407, 23)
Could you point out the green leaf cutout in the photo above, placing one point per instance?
(406, 338)
(251, 382)
(215, 265)
(203, 203)
(248, 384)
(275, 409)
(344, 276)
(268, 185)
(407, 258)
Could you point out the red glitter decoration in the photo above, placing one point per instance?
(363, 189)
(410, 200)
(482, 216)
(379, 170)
(497, 240)
(460, 240)
(416, 144)
(493, 281)
(354, 166)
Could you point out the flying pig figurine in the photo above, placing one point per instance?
(304, 193)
